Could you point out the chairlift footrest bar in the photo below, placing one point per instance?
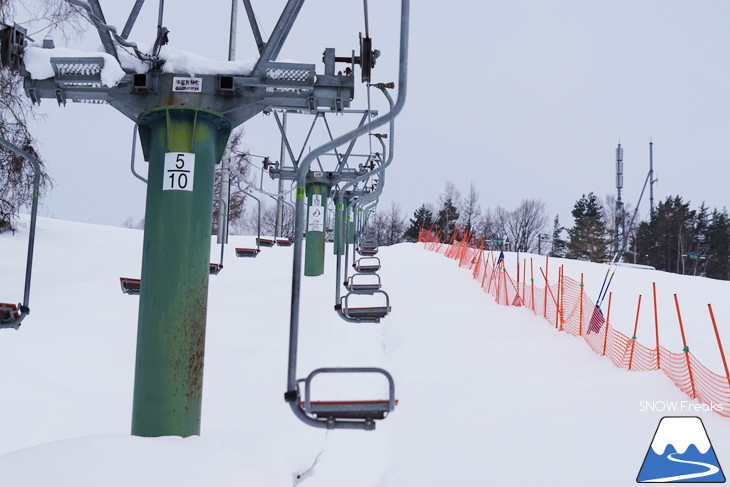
(363, 288)
(368, 410)
(367, 268)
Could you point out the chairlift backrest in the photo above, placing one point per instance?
(334, 412)
(363, 314)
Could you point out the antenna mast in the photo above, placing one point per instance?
(619, 223)
(651, 178)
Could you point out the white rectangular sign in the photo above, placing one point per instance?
(187, 85)
(316, 214)
(179, 171)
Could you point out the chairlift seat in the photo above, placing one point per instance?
(349, 409)
(8, 311)
(243, 252)
(362, 288)
(215, 268)
(130, 285)
(265, 242)
(372, 312)
(283, 242)
(366, 267)
(368, 251)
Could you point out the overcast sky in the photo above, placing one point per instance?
(526, 98)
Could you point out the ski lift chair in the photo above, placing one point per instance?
(368, 250)
(129, 285)
(366, 283)
(244, 252)
(357, 414)
(9, 312)
(363, 314)
(265, 242)
(284, 242)
(367, 264)
(11, 315)
(215, 268)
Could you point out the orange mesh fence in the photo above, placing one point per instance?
(566, 306)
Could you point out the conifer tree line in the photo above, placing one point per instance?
(673, 238)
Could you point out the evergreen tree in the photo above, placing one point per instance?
(448, 215)
(589, 236)
(665, 241)
(422, 218)
(717, 264)
(559, 244)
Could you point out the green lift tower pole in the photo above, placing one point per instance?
(182, 145)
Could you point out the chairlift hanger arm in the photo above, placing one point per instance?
(14, 321)
(224, 230)
(302, 171)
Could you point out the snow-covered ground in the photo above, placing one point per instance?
(488, 395)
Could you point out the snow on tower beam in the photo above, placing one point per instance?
(287, 86)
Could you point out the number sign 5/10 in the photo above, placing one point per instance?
(179, 171)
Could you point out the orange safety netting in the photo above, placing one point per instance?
(566, 306)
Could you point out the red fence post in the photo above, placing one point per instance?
(557, 300)
(686, 348)
(719, 344)
(608, 323)
(532, 285)
(580, 323)
(524, 276)
(633, 338)
(656, 328)
(544, 301)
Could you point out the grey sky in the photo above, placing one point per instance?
(527, 99)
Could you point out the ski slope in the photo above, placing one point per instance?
(487, 395)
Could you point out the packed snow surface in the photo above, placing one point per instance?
(487, 395)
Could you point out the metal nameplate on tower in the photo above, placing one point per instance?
(316, 214)
(187, 85)
(179, 171)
